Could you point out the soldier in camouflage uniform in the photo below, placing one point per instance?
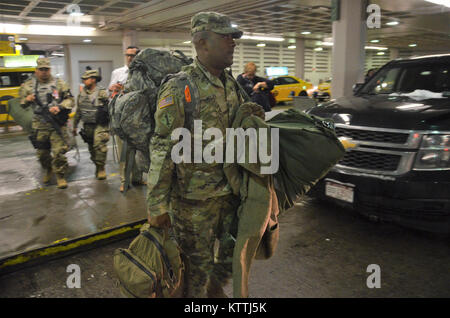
(195, 198)
(92, 100)
(53, 94)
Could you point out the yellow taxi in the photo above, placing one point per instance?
(323, 92)
(10, 80)
(288, 86)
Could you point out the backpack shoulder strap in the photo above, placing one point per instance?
(190, 94)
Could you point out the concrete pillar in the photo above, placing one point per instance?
(300, 58)
(393, 53)
(129, 38)
(349, 37)
(67, 64)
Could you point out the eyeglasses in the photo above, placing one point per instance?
(130, 55)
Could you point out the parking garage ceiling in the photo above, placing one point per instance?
(420, 22)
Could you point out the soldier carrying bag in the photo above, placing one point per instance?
(151, 267)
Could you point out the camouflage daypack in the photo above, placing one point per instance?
(151, 267)
(132, 112)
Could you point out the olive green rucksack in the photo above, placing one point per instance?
(151, 267)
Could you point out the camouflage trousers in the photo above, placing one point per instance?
(196, 226)
(54, 157)
(98, 148)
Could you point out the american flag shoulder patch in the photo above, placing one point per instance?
(164, 102)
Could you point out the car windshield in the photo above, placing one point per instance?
(409, 78)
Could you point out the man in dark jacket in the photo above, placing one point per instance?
(256, 87)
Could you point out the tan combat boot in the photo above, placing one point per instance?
(62, 183)
(47, 176)
(101, 173)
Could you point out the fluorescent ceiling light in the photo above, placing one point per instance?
(318, 49)
(306, 32)
(375, 48)
(327, 43)
(76, 14)
(291, 47)
(234, 25)
(445, 3)
(380, 53)
(87, 40)
(412, 45)
(374, 41)
(187, 42)
(23, 39)
(393, 23)
(261, 44)
(42, 29)
(262, 38)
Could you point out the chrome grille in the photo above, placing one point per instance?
(371, 160)
(372, 136)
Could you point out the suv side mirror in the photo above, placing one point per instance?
(356, 87)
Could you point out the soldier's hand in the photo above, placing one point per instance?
(54, 110)
(251, 108)
(116, 87)
(30, 98)
(161, 221)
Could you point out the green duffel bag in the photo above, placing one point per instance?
(151, 267)
(21, 116)
(308, 149)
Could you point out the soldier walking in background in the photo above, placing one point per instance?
(92, 110)
(51, 101)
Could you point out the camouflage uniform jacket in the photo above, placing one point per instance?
(56, 86)
(217, 104)
(88, 102)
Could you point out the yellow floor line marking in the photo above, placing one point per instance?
(58, 249)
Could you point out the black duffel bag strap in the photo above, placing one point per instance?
(163, 253)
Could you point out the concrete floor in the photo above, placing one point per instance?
(324, 251)
(33, 215)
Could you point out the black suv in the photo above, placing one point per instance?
(400, 120)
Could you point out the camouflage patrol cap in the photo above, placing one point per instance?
(215, 22)
(43, 62)
(91, 73)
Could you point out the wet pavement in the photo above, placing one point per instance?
(33, 215)
(324, 250)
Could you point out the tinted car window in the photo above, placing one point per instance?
(284, 81)
(384, 82)
(290, 80)
(408, 78)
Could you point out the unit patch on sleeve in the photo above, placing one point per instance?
(165, 102)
